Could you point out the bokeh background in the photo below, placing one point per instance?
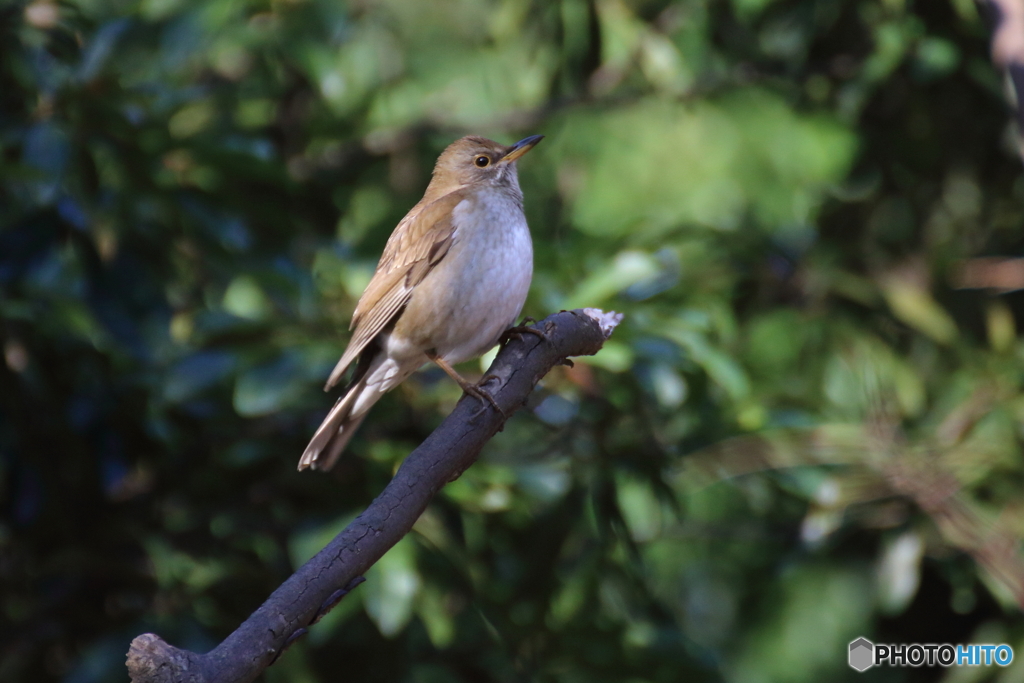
(808, 428)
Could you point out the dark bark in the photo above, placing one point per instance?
(312, 590)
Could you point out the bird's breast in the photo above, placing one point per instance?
(477, 291)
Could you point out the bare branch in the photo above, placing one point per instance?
(318, 585)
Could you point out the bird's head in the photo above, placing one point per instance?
(475, 160)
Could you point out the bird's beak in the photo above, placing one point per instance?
(522, 147)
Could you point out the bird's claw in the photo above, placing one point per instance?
(484, 396)
(519, 330)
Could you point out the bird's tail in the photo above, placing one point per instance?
(338, 427)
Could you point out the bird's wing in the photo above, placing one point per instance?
(418, 243)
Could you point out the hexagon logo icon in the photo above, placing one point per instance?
(862, 654)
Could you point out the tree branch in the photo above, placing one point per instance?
(318, 585)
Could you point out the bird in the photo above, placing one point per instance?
(451, 281)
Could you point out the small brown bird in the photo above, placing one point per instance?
(452, 279)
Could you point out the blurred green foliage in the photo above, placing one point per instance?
(807, 430)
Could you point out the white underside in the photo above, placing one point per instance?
(474, 295)
(484, 287)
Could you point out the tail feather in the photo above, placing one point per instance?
(335, 446)
(337, 428)
(376, 374)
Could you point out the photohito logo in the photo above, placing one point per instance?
(864, 654)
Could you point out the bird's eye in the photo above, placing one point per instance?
(482, 161)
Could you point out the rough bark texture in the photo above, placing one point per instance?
(318, 585)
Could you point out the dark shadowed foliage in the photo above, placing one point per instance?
(806, 430)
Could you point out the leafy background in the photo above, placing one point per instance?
(807, 430)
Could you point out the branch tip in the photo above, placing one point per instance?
(608, 321)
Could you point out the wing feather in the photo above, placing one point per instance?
(377, 320)
(420, 241)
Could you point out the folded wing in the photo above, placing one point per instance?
(418, 243)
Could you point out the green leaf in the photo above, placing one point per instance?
(245, 298)
(270, 388)
(391, 587)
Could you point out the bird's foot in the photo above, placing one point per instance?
(475, 390)
(484, 396)
(517, 332)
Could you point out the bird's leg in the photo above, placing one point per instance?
(467, 386)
